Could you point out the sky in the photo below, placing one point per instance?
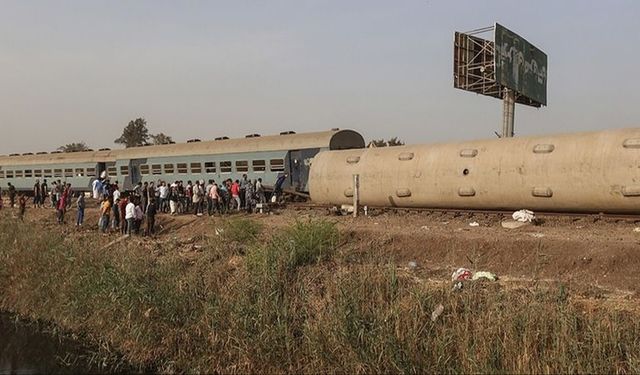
(75, 71)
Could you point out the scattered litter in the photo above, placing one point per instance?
(444, 222)
(636, 229)
(484, 275)
(366, 211)
(413, 265)
(464, 274)
(523, 216)
(474, 224)
(437, 312)
(219, 231)
(424, 227)
(579, 227)
(346, 209)
(512, 224)
(461, 274)
(376, 223)
(536, 235)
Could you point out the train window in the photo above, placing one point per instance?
(124, 170)
(210, 167)
(196, 168)
(91, 172)
(68, 172)
(1, 174)
(277, 165)
(258, 165)
(37, 173)
(112, 171)
(168, 168)
(156, 169)
(225, 167)
(9, 174)
(47, 173)
(18, 174)
(79, 172)
(28, 173)
(182, 168)
(242, 166)
(57, 173)
(144, 169)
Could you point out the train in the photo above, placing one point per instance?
(265, 157)
(576, 172)
(588, 172)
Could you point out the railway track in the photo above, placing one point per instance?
(301, 206)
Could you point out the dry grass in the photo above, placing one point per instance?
(298, 301)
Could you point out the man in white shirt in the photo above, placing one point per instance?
(164, 194)
(130, 215)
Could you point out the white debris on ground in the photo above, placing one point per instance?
(524, 216)
(474, 224)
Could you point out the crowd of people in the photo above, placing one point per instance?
(126, 211)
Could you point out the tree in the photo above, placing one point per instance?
(161, 139)
(382, 143)
(377, 143)
(74, 147)
(394, 142)
(134, 134)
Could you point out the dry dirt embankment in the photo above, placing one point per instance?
(307, 292)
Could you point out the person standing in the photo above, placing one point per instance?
(235, 194)
(44, 191)
(36, 194)
(54, 196)
(61, 207)
(130, 216)
(12, 195)
(105, 210)
(151, 218)
(81, 205)
(244, 182)
(115, 196)
(260, 192)
(122, 208)
(22, 204)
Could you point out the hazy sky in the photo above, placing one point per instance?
(80, 70)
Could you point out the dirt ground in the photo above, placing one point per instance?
(597, 258)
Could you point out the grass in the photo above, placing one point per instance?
(291, 301)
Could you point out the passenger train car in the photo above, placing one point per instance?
(259, 157)
(578, 172)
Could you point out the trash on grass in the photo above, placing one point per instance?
(461, 274)
(474, 224)
(413, 265)
(524, 216)
(437, 312)
(636, 229)
(424, 227)
(484, 275)
(536, 235)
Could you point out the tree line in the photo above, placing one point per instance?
(137, 134)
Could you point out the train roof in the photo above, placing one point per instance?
(334, 140)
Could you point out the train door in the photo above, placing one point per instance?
(102, 167)
(295, 167)
(134, 173)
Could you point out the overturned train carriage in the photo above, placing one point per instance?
(582, 172)
(259, 157)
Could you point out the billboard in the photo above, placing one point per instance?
(520, 66)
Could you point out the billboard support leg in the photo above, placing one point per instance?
(508, 113)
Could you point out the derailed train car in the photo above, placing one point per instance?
(582, 172)
(259, 157)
